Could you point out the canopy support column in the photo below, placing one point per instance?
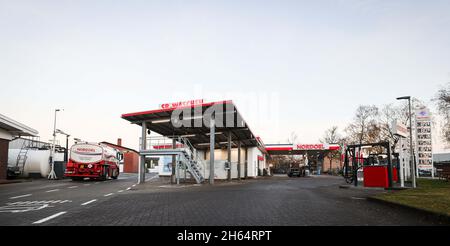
(141, 170)
(246, 163)
(239, 160)
(212, 140)
(229, 156)
(174, 165)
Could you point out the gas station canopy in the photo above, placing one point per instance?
(195, 127)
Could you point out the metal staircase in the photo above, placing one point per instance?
(189, 159)
(187, 154)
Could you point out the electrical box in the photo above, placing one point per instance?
(227, 165)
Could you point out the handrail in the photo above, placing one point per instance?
(187, 143)
(194, 155)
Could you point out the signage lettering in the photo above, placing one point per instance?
(181, 104)
(85, 150)
(309, 146)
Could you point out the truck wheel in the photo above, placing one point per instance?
(105, 175)
(115, 174)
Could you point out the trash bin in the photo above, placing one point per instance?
(60, 168)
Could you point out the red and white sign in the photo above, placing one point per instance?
(181, 104)
(285, 147)
(399, 128)
(422, 113)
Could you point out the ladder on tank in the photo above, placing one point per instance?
(22, 157)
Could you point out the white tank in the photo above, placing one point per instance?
(37, 161)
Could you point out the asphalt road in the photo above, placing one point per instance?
(31, 203)
(267, 201)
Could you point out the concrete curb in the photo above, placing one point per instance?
(429, 214)
(2, 182)
(360, 187)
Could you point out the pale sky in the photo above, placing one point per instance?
(298, 66)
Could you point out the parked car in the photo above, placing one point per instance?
(424, 172)
(294, 172)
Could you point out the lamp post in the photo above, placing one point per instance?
(52, 174)
(412, 159)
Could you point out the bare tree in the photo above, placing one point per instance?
(332, 136)
(388, 114)
(364, 127)
(280, 163)
(442, 100)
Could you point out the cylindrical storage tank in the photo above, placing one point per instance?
(37, 161)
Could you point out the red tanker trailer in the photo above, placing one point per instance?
(93, 160)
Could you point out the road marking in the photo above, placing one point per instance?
(38, 202)
(133, 185)
(96, 183)
(19, 208)
(87, 184)
(25, 206)
(358, 198)
(129, 188)
(15, 197)
(86, 203)
(49, 218)
(109, 194)
(71, 187)
(53, 190)
(120, 191)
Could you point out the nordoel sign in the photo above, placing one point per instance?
(309, 146)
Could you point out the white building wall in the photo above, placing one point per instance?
(221, 156)
(253, 154)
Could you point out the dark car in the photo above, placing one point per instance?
(294, 172)
(424, 172)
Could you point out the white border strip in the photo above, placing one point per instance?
(14, 197)
(86, 203)
(49, 218)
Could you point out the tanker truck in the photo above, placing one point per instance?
(94, 161)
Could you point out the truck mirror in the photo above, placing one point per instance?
(119, 156)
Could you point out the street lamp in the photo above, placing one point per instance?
(52, 174)
(412, 161)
